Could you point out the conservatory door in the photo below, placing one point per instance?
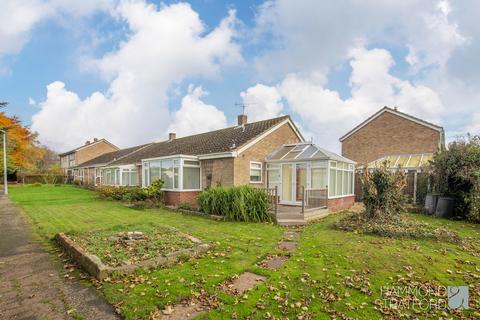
(300, 180)
(287, 183)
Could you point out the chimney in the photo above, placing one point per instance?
(87, 142)
(172, 136)
(395, 108)
(242, 119)
(95, 139)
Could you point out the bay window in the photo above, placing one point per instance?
(177, 173)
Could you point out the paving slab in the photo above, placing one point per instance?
(289, 246)
(274, 262)
(245, 281)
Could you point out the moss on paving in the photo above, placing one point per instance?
(313, 282)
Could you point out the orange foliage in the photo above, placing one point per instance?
(22, 149)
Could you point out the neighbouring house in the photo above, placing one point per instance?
(400, 139)
(238, 155)
(78, 156)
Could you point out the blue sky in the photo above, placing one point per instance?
(131, 71)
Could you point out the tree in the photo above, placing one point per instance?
(22, 146)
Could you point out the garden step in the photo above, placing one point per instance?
(291, 222)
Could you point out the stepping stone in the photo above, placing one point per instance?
(179, 312)
(291, 235)
(274, 262)
(288, 246)
(245, 281)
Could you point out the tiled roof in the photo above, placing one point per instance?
(223, 140)
(112, 156)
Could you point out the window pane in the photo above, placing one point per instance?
(125, 178)
(191, 178)
(154, 171)
(332, 184)
(117, 176)
(255, 175)
(319, 178)
(255, 165)
(191, 162)
(133, 178)
(345, 183)
(274, 178)
(175, 178)
(338, 189)
(167, 174)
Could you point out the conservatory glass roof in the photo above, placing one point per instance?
(304, 152)
(406, 161)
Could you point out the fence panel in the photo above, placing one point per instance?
(315, 198)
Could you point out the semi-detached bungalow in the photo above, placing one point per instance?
(269, 153)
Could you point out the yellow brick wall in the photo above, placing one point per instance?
(389, 134)
(258, 152)
(220, 170)
(93, 151)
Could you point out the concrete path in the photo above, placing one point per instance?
(31, 286)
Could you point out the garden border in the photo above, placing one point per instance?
(100, 271)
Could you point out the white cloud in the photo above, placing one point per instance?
(166, 45)
(195, 116)
(32, 101)
(262, 102)
(19, 17)
(372, 86)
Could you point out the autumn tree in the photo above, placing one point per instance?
(23, 151)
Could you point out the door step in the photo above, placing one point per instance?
(291, 222)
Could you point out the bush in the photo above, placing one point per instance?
(154, 191)
(383, 193)
(456, 173)
(243, 203)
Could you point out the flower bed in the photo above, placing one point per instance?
(125, 248)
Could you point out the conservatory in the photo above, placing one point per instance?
(297, 170)
(117, 176)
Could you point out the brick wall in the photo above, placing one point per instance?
(259, 152)
(93, 151)
(339, 204)
(173, 198)
(389, 134)
(217, 172)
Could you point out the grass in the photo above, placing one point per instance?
(332, 273)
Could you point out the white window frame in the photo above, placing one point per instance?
(261, 171)
(179, 164)
(347, 169)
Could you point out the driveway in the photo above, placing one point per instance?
(31, 286)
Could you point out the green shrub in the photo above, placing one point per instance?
(134, 194)
(456, 173)
(154, 191)
(243, 203)
(383, 193)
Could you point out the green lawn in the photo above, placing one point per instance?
(333, 273)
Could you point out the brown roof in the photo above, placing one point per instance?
(394, 111)
(106, 158)
(223, 140)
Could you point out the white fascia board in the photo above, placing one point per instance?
(266, 133)
(228, 154)
(176, 156)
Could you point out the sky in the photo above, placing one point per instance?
(131, 71)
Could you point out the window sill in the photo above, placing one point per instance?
(256, 182)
